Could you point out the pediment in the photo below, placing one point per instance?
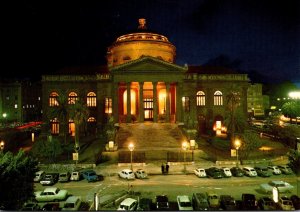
(148, 64)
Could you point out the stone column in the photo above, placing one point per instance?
(141, 105)
(128, 117)
(116, 102)
(155, 102)
(178, 102)
(168, 102)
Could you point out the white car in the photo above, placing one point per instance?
(51, 194)
(75, 176)
(128, 204)
(200, 172)
(184, 203)
(281, 186)
(72, 203)
(249, 171)
(226, 172)
(38, 176)
(213, 200)
(285, 204)
(140, 174)
(274, 169)
(126, 174)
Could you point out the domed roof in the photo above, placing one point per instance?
(142, 33)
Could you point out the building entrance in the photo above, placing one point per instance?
(148, 109)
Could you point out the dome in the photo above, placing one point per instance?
(142, 42)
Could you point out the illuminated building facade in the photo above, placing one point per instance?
(142, 82)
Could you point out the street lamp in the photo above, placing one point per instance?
(184, 147)
(131, 148)
(2, 143)
(237, 145)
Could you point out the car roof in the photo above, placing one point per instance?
(39, 172)
(50, 189)
(127, 170)
(128, 201)
(183, 198)
(72, 199)
(161, 198)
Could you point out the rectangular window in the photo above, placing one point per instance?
(108, 105)
(54, 128)
(186, 103)
(201, 100)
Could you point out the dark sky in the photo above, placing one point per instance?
(43, 36)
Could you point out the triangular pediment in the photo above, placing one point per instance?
(148, 64)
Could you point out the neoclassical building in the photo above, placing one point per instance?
(141, 82)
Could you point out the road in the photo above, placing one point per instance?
(171, 185)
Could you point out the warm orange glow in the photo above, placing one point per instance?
(131, 147)
(265, 148)
(133, 102)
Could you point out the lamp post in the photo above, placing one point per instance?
(184, 147)
(237, 145)
(2, 143)
(131, 148)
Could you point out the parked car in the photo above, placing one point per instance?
(226, 172)
(237, 172)
(64, 177)
(296, 201)
(281, 185)
(184, 203)
(140, 174)
(126, 174)
(51, 194)
(249, 202)
(199, 202)
(90, 175)
(51, 206)
(285, 169)
(214, 172)
(162, 202)
(72, 203)
(285, 204)
(49, 179)
(76, 176)
(200, 172)
(38, 176)
(128, 204)
(227, 203)
(266, 203)
(274, 169)
(262, 171)
(213, 200)
(249, 171)
(144, 204)
(30, 207)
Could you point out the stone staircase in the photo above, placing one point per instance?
(155, 139)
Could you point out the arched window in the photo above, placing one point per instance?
(91, 119)
(91, 99)
(54, 126)
(218, 98)
(53, 99)
(200, 98)
(73, 97)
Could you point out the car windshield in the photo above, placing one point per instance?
(125, 207)
(69, 205)
(286, 202)
(63, 175)
(185, 204)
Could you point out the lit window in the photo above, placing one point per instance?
(108, 105)
(72, 98)
(16, 106)
(91, 119)
(186, 103)
(91, 99)
(200, 98)
(53, 99)
(54, 126)
(218, 98)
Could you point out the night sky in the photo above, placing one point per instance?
(44, 36)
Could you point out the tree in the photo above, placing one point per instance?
(291, 109)
(61, 112)
(79, 113)
(16, 179)
(49, 149)
(294, 160)
(250, 142)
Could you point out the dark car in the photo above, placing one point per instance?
(237, 172)
(266, 203)
(227, 203)
(144, 204)
(31, 207)
(285, 169)
(162, 202)
(199, 202)
(49, 179)
(214, 172)
(296, 201)
(90, 175)
(51, 206)
(249, 202)
(262, 171)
